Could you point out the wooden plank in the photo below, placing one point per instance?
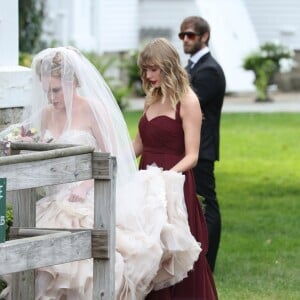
(24, 202)
(30, 170)
(101, 166)
(104, 218)
(38, 146)
(100, 244)
(46, 250)
(99, 237)
(2, 210)
(24, 215)
(36, 156)
(23, 285)
(47, 172)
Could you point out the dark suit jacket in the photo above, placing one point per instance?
(208, 81)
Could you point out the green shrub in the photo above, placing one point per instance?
(9, 219)
(31, 17)
(25, 59)
(265, 62)
(104, 63)
(129, 64)
(9, 222)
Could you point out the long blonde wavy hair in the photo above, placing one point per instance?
(174, 78)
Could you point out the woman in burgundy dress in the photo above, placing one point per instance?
(168, 137)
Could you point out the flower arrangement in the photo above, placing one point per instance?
(18, 134)
(265, 62)
(22, 134)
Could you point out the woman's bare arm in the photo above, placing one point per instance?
(191, 115)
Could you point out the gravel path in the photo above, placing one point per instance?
(282, 102)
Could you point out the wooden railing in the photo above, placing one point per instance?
(32, 247)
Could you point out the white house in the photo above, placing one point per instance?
(120, 25)
(15, 81)
(276, 20)
(98, 25)
(232, 32)
(238, 26)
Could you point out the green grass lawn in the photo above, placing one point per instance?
(258, 183)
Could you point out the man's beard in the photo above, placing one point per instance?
(193, 49)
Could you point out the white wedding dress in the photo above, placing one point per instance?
(154, 246)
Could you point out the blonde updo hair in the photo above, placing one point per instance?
(58, 66)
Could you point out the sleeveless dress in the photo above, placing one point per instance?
(154, 245)
(163, 145)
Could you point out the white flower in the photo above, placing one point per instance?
(286, 65)
(264, 54)
(33, 131)
(10, 137)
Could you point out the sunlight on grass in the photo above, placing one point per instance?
(258, 182)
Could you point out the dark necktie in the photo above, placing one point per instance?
(189, 66)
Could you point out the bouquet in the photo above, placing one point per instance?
(18, 134)
(21, 134)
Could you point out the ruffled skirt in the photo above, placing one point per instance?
(154, 245)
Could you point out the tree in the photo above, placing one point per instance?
(31, 15)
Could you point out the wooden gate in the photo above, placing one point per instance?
(31, 247)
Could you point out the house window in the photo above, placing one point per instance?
(149, 33)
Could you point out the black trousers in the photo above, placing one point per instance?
(206, 189)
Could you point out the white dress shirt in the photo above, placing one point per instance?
(195, 57)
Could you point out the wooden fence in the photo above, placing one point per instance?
(31, 247)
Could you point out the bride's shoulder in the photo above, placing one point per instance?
(46, 110)
(83, 105)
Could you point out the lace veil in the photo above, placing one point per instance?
(76, 73)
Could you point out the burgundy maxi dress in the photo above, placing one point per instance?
(163, 145)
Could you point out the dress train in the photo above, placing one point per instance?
(154, 246)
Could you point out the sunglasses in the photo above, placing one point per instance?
(190, 35)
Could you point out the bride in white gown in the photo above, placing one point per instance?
(72, 104)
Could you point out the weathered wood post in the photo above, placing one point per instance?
(2, 209)
(24, 201)
(104, 173)
(55, 164)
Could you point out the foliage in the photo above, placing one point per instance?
(3, 285)
(22, 134)
(9, 219)
(265, 62)
(132, 119)
(31, 15)
(129, 64)
(104, 64)
(101, 62)
(9, 223)
(25, 59)
(258, 189)
(121, 93)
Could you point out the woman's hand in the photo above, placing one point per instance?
(46, 140)
(27, 139)
(78, 194)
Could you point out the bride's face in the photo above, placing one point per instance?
(53, 88)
